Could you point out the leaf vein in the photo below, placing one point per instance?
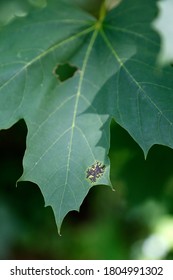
(49, 50)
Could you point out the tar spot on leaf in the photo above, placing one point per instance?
(95, 171)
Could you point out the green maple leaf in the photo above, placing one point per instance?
(68, 119)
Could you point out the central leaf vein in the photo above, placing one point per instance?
(73, 125)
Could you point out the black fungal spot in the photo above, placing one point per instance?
(64, 71)
(95, 171)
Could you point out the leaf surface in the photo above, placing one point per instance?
(68, 122)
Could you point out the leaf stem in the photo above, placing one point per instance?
(102, 15)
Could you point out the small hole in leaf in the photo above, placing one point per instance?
(65, 71)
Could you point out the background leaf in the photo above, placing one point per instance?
(140, 93)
